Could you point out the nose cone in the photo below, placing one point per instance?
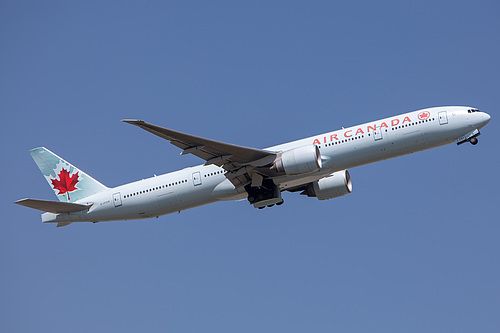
(486, 118)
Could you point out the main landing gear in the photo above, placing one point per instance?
(264, 196)
(279, 203)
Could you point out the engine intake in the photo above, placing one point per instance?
(332, 186)
(299, 160)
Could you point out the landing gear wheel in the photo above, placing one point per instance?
(262, 207)
(279, 203)
(473, 141)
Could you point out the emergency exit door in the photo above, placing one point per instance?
(443, 118)
(377, 134)
(196, 178)
(117, 199)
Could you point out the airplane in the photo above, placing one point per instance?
(315, 166)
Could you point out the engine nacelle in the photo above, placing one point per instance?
(332, 186)
(299, 160)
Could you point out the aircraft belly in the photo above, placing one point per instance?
(415, 141)
(166, 203)
(365, 153)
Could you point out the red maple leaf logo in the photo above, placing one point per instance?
(424, 115)
(65, 184)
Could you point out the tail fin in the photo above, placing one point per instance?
(69, 183)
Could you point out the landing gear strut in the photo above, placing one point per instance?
(469, 137)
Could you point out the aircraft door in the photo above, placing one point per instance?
(196, 178)
(377, 134)
(117, 199)
(443, 118)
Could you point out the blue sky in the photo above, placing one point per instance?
(414, 248)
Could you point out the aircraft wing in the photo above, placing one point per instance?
(214, 152)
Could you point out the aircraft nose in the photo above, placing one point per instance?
(486, 118)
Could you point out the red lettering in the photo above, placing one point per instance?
(324, 139)
(345, 134)
(359, 131)
(373, 128)
(395, 122)
(333, 136)
(383, 125)
(406, 119)
(316, 141)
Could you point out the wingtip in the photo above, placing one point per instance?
(20, 201)
(132, 121)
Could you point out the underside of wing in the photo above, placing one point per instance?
(55, 207)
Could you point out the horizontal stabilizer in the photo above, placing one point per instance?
(55, 207)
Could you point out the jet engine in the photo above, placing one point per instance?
(332, 186)
(299, 160)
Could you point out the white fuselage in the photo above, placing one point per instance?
(340, 150)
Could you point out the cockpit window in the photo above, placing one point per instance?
(472, 110)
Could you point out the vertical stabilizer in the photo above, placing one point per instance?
(68, 182)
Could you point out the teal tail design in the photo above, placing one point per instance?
(68, 182)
